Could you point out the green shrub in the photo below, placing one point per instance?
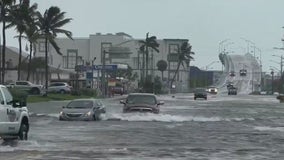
(88, 92)
(19, 95)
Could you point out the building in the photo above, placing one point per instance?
(119, 48)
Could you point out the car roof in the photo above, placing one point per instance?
(85, 99)
(145, 94)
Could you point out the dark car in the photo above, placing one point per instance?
(243, 72)
(118, 90)
(232, 90)
(200, 93)
(141, 102)
(82, 109)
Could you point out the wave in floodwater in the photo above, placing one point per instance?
(166, 118)
(267, 128)
(151, 117)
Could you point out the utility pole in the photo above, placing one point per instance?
(103, 84)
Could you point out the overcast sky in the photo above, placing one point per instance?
(204, 22)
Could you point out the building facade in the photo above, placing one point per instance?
(119, 48)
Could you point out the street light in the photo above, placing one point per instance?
(207, 66)
(221, 45)
(248, 44)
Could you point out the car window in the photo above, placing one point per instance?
(144, 99)
(7, 94)
(1, 98)
(80, 104)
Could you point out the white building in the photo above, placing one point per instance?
(120, 48)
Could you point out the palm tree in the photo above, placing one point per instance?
(5, 6)
(150, 42)
(19, 17)
(50, 24)
(184, 57)
(32, 36)
(162, 66)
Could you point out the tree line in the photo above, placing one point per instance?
(31, 25)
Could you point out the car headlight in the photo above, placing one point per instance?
(61, 113)
(88, 113)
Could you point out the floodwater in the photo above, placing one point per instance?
(221, 128)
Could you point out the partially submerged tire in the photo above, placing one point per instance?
(23, 132)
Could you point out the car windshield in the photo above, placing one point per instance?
(141, 99)
(80, 104)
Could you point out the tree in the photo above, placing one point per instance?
(5, 6)
(50, 24)
(32, 34)
(184, 58)
(150, 42)
(19, 17)
(128, 74)
(162, 66)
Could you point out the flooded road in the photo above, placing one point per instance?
(223, 127)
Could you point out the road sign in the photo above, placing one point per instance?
(89, 75)
(107, 67)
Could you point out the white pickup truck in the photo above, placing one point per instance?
(28, 87)
(14, 118)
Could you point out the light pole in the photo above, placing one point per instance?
(272, 79)
(281, 68)
(221, 45)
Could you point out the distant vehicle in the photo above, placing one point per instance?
(232, 73)
(232, 90)
(212, 90)
(118, 90)
(27, 86)
(82, 109)
(243, 72)
(59, 87)
(14, 119)
(230, 85)
(141, 102)
(200, 93)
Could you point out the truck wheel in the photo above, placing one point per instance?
(23, 132)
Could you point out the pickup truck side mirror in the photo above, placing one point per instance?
(122, 102)
(17, 103)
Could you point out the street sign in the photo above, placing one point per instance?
(89, 75)
(107, 67)
(82, 68)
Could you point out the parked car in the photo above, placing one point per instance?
(82, 109)
(59, 87)
(14, 118)
(212, 90)
(141, 102)
(200, 93)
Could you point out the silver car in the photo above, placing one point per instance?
(83, 109)
(141, 102)
(59, 87)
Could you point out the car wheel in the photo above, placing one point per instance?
(23, 132)
(62, 91)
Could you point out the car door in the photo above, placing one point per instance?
(13, 114)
